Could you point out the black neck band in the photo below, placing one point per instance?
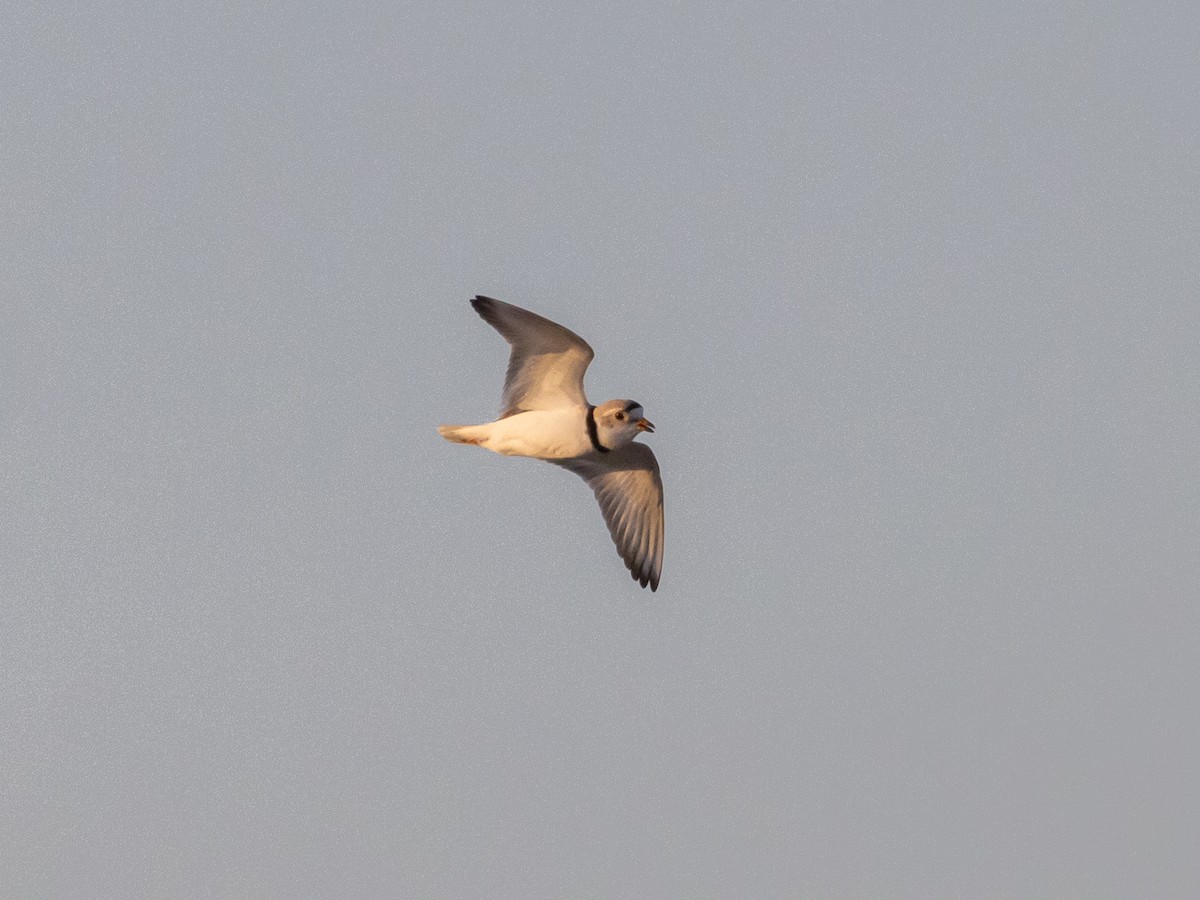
(592, 433)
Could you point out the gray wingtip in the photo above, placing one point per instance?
(487, 307)
(646, 578)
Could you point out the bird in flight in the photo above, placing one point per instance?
(546, 415)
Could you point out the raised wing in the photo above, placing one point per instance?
(545, 370)
(628, 485)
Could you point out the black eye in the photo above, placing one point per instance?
(620, 417)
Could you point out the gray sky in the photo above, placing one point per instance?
(910, 293)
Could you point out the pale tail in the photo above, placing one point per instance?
(463, 434)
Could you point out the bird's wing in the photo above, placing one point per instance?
(628, 485)
(545, 370)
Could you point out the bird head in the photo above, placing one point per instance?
(618, 422)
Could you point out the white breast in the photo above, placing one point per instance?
(542, 434)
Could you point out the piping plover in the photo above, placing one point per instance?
(546, 415)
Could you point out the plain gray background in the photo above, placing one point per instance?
(910, 291)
